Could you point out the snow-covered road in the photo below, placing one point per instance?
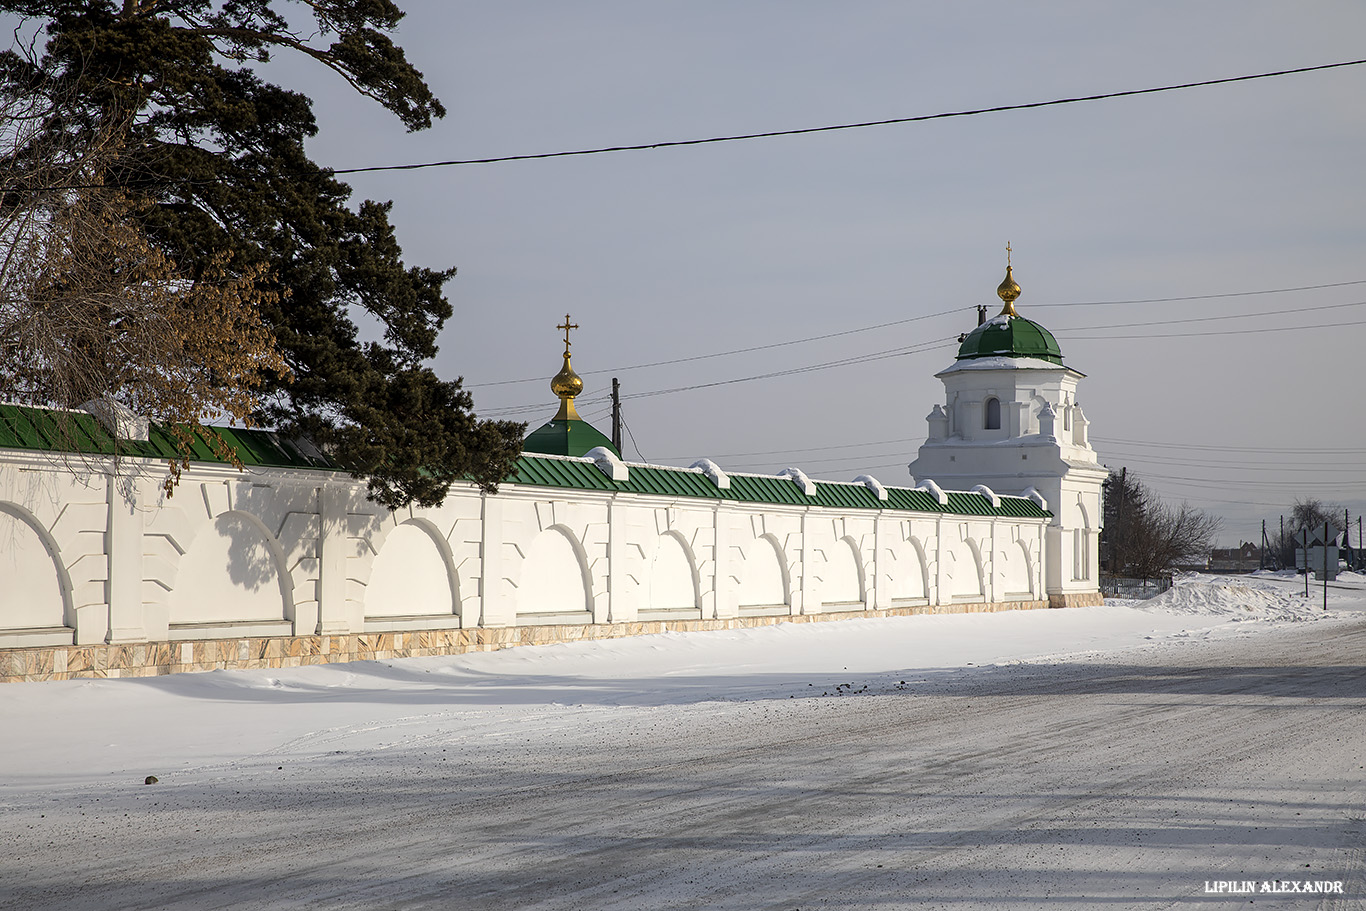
(1117, 757)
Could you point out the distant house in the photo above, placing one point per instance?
(1241, 559)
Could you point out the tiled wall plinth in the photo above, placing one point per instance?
(150, 659)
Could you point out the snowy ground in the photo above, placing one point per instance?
(1116, 757)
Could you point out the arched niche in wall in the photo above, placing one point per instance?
(230, 574)
(964, 572)
(34, 593)
(842, 577)
(672, 581)
(1014, 579)
(991, 414)
(1036, 405)
(907, 576)
(763, 579)
(1081, 544)
(553, 579)
(412, 575)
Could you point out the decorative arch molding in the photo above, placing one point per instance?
(1036, 405)
(1082, 510)
(231, 579)
(672, 580)
(842, 581)
(37, 592)
(1015, 574)
(553, 583)
(1082, 544)
(964, 565)
(412, 573)
(765, 584)
(910, 579)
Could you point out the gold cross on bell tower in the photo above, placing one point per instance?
(566, 326)
(1009, 289)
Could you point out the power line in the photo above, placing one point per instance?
(843, 362)
(845, 126)
(1196, 297)
(956, 310)
(1209, 319)
(729, 455)
(769, 134)
(927, 346)
(1277, 467)
(1240, 483)
(1357, 471)
(633, 440)
(1162, 445)
(752, 348)
(1097, 338)
(834, 460)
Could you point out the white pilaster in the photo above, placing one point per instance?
(123, 548)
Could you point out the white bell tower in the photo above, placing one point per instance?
(1011, 421)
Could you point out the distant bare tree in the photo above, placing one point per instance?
(1307, 513)
(1149, 537)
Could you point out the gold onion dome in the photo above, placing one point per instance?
(1008, 291)
(566, 383)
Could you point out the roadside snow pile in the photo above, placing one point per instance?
(1241, 598)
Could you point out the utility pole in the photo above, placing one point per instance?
(1325, 564)
(616, 414)
(1121, 532)
(1261, 557)
(1346, 539)
(1304, 542)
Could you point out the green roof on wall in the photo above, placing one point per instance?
(659, 480)
(46, 430)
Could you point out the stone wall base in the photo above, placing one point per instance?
(150, 659)
(1077, 599)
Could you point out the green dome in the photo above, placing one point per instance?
(1010, 336)
(566, 437)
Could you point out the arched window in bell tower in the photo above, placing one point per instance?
(993, 414)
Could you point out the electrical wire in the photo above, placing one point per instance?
(1357, 471)
(1097, 338)
(750, 349)
(633, 441)
(843, 362)
(1196, 297)
(727, 455)
(1210, 319)
(768, 134)
(928, 346)
(1162, 445)
(740, 137)
(956, 310)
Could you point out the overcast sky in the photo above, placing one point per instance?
(674, 253)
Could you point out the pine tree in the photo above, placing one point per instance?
(212, 160)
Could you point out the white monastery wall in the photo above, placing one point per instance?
(90, 558)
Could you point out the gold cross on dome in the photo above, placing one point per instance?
(1007, 254)
(566, 326)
